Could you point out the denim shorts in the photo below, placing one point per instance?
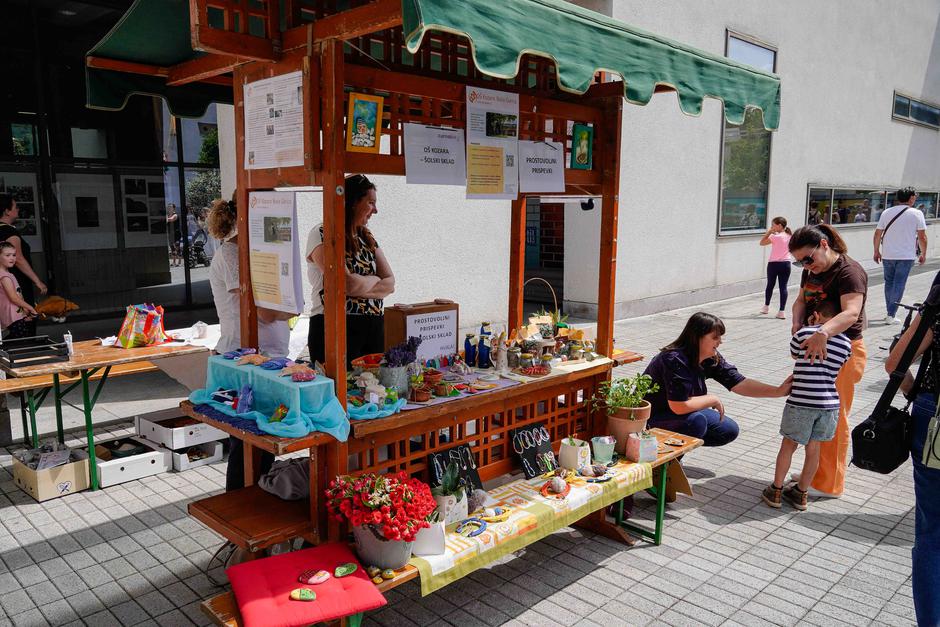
(802, 424)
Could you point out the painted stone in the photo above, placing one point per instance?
(345, 569)
(303, 594)
(313, 577)
(388, 573)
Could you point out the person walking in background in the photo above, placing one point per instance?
(778, 266)
(829, 274)
(900, 238)
(811, 412)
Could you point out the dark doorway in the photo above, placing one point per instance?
(544, 254)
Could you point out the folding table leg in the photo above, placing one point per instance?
(89, 432)
(23, 415)
(56, 391)
(354, 621)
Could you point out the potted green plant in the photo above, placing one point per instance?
(393, 372)
(451, 496)
(624, 401)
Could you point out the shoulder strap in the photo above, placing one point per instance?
(900, 213)
(927, 317)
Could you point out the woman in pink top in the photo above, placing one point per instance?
(15, 312)
(778, 267)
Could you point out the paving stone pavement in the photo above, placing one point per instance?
(130, 554)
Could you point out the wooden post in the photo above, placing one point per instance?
(247, 311)
(517, 262)
(334, 239)
(610, 198)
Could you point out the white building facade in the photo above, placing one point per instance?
(859, 119)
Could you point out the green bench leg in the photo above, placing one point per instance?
(33, 406)
(354, 621)
(57, 395)
(89, 432)
(658, 491)
(24, 416)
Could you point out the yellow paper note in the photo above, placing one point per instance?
(484, 169)
(265, 278)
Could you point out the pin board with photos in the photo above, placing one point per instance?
(144, 206)
(25, 191)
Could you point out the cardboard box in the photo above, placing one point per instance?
(182, 462)
(171, 429)
(112, 471)
(52, 483)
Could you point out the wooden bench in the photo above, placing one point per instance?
(32, 391)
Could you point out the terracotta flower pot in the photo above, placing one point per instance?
(433, 377)
(626, 421)
(421, 395)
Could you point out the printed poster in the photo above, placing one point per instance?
(434, 155)
(274, 251)
(492, 144)
(274, 122)
(541, 166)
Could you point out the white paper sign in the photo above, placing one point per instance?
(438, 333)
(492, 144)
(274, 122)
(274, 251)
(541, 166)
(434, 156)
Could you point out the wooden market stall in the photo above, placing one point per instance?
(566, 64)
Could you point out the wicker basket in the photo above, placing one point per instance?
(363, 364)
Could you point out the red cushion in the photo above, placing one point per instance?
(262, 588)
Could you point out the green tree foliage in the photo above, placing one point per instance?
(209, 152)
(747, 156)
(203, 188)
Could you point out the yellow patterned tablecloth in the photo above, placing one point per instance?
(533, 517)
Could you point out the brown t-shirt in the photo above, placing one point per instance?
(845, 276)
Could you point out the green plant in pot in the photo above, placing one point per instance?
(451, 495)
(624, 401)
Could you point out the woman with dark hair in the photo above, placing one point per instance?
(778, 266)
(829, 274)
(683, 403)
(23, 270)
(369, 277)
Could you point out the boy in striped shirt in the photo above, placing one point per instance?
(812, 409)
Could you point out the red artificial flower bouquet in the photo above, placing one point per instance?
(395, 504)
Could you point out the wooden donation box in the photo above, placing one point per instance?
(436, 323)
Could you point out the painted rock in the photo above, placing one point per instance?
(558, 485)
(303, 594)
(374, 571)
(377, 579)
(388, 573)
(345, 569)
(313, 577)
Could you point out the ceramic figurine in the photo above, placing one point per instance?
(470, 349)
(502, 357)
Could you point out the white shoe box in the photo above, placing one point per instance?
(182, 462)
(112, 471)
(170, 428)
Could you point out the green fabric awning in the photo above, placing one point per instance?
(583, 42)
(156, 33)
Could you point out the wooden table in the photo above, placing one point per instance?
(88, 358)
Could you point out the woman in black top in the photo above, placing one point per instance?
(23, 270)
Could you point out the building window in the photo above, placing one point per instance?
(847, 207)
(745, 154)
(911, 110)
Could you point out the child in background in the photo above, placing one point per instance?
(812, 409)
(15, 312)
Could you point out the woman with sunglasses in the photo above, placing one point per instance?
(829, 274)
(369, 277)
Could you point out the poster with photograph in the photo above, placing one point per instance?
(274, 122)
(364, 123)
(144, 202)
(87, 210)
(492, 144)
(582, 147)
(541, 166)
(22, 186)
(434, 155)
(274, 251)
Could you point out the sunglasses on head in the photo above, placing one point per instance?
(807, 260)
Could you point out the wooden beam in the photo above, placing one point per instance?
(369, 18)
(143, 69)
(334, 239)
(517, 261)
(247, 311)
(202, 68)
(610, 198)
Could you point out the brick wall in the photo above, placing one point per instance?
(552, 231)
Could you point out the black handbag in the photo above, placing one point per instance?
(882, 442)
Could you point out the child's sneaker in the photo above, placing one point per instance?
(771, 496)
(796, 497)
